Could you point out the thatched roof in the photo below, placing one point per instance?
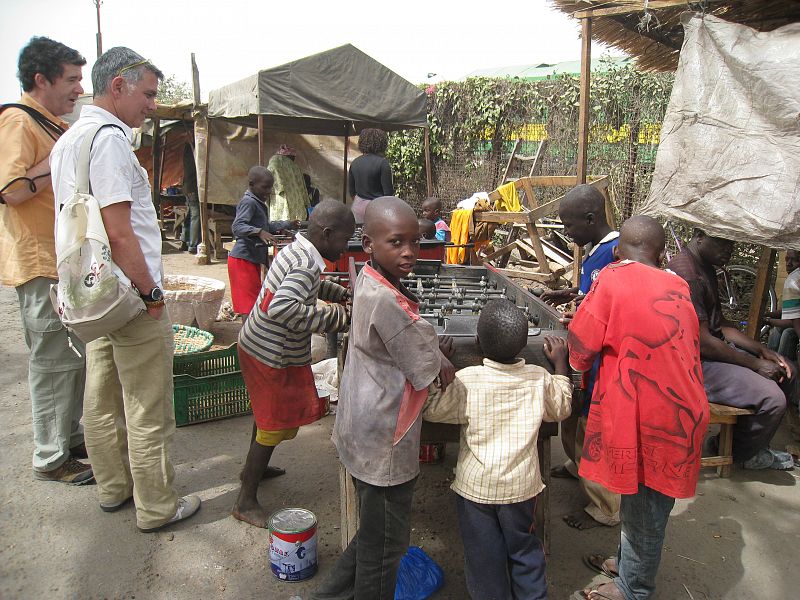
(657, 48)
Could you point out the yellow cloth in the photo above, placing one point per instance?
(509, 199)
(27, 231)
(273, 438)
(459, 235)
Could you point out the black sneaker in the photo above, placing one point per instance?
(72, 472)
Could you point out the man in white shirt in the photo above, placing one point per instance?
(129, 371)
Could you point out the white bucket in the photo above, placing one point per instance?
(293, 544)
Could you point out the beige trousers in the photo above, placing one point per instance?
(603, 505)
(129, 419)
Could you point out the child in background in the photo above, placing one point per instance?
(583, 213)
(392, 358)
(501, 405)
(649, 410)
(275, 343)
(432, 210)
(252, 230)
(427, 229)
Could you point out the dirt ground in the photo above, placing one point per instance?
(737, 539)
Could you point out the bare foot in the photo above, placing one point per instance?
(269, 473)
(607, 591)
(254, 515)
(581, 521)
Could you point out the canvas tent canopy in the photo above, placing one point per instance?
(313, 103)
(336, 92)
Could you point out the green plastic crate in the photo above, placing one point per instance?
(208, 386)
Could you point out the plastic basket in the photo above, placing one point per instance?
(208, 386)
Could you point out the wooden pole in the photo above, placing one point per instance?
(156, 155)
(583, 108)
(428, 172)
(583, 125)
(344, 166)
(766, 260)
(201, 147)
(261, 158)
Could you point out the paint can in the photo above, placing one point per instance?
(293, 544)
(431, 453)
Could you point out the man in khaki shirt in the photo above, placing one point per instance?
(50, 74)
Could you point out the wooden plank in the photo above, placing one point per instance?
(510, 161)
(492, 216)
(499, 252)
(722, 410)
(725, 449)
(716, 461)
(562, 180)
(537, 157)
(262, 159)
(512, 235)
(544, 266)
(530, 197)
(759, 298)
(583, 102)
(532, 276)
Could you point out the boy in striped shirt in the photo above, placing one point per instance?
(501, 405)
(275, 343)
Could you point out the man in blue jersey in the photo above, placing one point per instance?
(583, 213)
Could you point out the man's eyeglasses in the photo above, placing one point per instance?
(144, 61)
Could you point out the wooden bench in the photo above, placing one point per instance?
(219, 225)
(725, 417)
(181, 212)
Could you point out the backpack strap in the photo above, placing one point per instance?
(51, 128)
(82, 169)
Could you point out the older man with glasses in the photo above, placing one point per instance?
(128, 413)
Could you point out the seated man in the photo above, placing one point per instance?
(737, 370)
(785, 323)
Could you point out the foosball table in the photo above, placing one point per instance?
(451, 298)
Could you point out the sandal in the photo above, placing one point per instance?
(600, 564)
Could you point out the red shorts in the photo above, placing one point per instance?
(245, 278)
(281, 398)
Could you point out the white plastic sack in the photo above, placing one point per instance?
(729, 156)
(191, 299)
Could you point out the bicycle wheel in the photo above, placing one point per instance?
(736, 295)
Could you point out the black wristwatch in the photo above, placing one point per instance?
(156, 296)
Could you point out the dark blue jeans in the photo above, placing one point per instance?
(644, 517)
(367, 570)
(503, 558)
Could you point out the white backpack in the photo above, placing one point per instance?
(89, 297)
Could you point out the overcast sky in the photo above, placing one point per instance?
(234, 38)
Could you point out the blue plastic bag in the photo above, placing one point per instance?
(418, 576)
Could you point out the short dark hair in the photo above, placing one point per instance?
(502, 330)
(373, 141)
(45, 56)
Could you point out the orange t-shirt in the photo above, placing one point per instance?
(27, 237)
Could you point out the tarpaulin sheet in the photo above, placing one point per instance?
(729, 156)
(233, 149)
(336, 92)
